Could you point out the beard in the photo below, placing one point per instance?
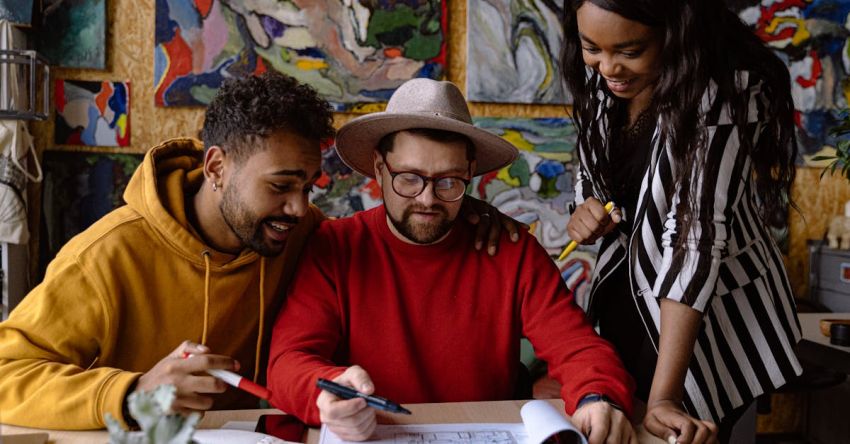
(247, 227)
(419, 232)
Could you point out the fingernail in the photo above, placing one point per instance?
(203, 348)
(477, 245)
(491, 250)
(515, 236)
(365, 387)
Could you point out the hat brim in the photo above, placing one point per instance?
(357, 139)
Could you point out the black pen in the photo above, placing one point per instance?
(349, 393)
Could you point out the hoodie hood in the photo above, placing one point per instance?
(170, 175)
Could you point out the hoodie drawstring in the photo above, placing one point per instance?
(259, 347)
(206, 255)
(262, 318)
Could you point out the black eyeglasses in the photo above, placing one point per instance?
(409, 184)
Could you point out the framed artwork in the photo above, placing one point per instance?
(514, 51)
(353, 53)
(811, 37)
(92, 113)
(77, 37)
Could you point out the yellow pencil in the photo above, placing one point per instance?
(609, 207)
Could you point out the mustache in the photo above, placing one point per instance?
(432, 209)
(283, 219)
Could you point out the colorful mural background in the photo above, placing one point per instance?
(813, 39)
(92, 113)
(514, 51)
(77, 36)
(354, 53)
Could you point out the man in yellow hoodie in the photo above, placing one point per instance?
(204, 247)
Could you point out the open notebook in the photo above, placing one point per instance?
(540, 423)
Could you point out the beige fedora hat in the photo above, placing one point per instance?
(420, 103)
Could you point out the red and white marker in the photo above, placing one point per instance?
(238, 381)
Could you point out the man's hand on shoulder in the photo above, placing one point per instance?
(188, 376)
(350, 419)
(603, 424)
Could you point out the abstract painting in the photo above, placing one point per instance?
(79, 189)
(92, 113)
(514, 51)
(16, 11)
(812, 38)
(537, 188)
(353, 53)
(341, 191)
(77, 36)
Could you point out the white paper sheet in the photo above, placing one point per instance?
(541, 421)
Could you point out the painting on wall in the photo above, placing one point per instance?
(92, 113)
(813, 39)
(78, 190)
(353, 53)
(537, 188)
(514, 51)
(16, 11)
(77, 37)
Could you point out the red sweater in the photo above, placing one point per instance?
(435, 323)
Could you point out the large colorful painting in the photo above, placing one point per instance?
(811, 36)
(16, 11)
(92, 113)
(354, 53)
(77, 33)
(78, 190)
(514, 51)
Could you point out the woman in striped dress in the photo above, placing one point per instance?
(685, 121)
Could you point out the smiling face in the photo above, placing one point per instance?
(625, 52)
(424, 219)
(266, 193)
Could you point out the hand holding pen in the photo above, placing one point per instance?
(590, 221)
(193, 387)
(350, 419)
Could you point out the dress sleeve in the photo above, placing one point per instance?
(690, 275)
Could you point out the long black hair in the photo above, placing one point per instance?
(701, 41)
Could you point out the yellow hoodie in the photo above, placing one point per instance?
(126, 292)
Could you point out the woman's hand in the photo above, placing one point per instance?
(666, 419)
(590, 221)
(490, 223)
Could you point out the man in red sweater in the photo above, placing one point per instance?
(397, 299)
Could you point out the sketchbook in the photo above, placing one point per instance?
(541, 423)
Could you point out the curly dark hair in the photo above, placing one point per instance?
(253, 107)
(702, 41)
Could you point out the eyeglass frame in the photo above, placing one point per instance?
(426, 179)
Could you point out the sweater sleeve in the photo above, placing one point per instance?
(562, 336)
(305, 336)
(48, 352)
(689, 275)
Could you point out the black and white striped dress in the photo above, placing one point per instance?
(732, 270)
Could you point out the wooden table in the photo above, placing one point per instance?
(456, 412)
(815, 347)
